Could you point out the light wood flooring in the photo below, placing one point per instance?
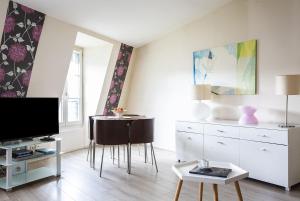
(80, 182)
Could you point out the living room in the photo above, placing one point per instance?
(190, 83)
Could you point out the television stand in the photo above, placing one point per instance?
(47, 139)
(28, 175)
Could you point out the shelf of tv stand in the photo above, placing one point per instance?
(29, 176)
(32, 158)
(35, 141)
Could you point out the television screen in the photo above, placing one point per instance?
(28, 117)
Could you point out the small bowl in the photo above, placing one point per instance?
(118, 114)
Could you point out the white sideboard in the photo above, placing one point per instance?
(270, 153)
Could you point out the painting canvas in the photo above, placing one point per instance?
(230, 69)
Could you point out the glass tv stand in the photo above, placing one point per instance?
(7, 162)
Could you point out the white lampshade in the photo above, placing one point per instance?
(287, 84)
(202, 92)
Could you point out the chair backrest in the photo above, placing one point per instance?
(91, 126)
(111, 132)
(141, 131)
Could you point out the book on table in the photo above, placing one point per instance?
(211, 171)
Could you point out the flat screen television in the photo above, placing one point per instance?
(28, 117)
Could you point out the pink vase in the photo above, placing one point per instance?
(248, 116)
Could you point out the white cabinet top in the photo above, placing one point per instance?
(272, 126)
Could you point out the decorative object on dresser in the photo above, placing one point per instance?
(248, 116)
(287, 85)
(268, 152)
(119, 111)
(202, 92)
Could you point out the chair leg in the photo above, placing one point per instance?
(102, 160)
(129, 158)
(128, 165)
(91, 152)
(113, 158)
(154, 156)
(118, 156)
(94, 155)
(139, 150)
(89, 149)
(110, 152)
(145, 147)
(151, 157)
(124, 153)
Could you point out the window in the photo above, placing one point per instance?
(70, 110)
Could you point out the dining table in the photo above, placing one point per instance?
(134, 129)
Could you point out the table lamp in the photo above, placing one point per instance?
(287, 85)
(202, 92)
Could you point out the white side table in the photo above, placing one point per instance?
(182, 171)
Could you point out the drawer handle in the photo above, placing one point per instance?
(220, 142)
(262, 135)
(189, 127)
(263, 149)
(220, 131)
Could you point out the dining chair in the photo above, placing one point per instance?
(111, 132)
(142, 131)
(145, 145)
(91, 137)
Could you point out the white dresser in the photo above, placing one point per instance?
(270, 153)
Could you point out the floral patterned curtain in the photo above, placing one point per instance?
(21, 34)
(118, 79)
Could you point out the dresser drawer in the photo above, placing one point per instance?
(220, 130)
(190, 127)
(221, 149)
(189, 146)
(265, 162)
(264, 135)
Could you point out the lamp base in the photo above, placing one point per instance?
(286, 126)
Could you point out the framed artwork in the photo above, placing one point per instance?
(229, 69)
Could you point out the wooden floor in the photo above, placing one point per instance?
(80, 182)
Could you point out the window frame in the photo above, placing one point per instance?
(65, 97)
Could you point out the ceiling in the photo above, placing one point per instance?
(134, 22)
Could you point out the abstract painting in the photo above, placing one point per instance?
(230, 69)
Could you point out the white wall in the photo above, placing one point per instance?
(162, 75)
(108, 78)
(3, 9)
(51, 66)
(52, 59)
(95, 62)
